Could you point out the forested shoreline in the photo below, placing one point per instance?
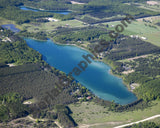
(101, 9)
(24, 75)
(31, 77)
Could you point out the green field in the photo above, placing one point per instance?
(90, 113)
(155, 8)
(47, 27)
(142, 29)
(50, 26)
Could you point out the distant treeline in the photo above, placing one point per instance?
(10, 10)
(97, 8)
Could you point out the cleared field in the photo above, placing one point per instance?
(90, 113)
(142, 28)
(154, 7)
(131, 59)
(49, 26)
(96, 18)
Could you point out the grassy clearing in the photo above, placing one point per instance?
(132, 59)
(47, 27)
(50, 26)
(90, 113)
(96, 18)
(155, 8)
(143, 29)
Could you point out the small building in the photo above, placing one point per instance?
(112, 26)
(89, 97)
(6, 39)
(144, 38)
(79, 98)
(152, 2)
(134, 36)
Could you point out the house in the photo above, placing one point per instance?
(112, 26)
(134, 36)
(152, 2)
(80, 98)
(144, 38)
(89, 97)
(6, 39)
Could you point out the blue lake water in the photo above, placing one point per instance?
(36, 10)
(11, 27)
(96, 77)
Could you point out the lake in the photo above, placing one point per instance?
(11, 27)
(36, 10)
(96, 77)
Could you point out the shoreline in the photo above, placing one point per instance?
(43, 10)
(121, 77)
(96, 59)
(101, 60)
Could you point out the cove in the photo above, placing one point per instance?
(96, 77)
(38, 10)
(11, 27)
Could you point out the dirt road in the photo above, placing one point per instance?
(150, 118)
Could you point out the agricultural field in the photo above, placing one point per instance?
(144, 27)
(99, 117)
(52, 25)
(47, 27)
(150, 5)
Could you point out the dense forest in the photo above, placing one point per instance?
(11, 107)
(82, 34)
(31, 77)
(17, 52)
(97, 8)
(10, 10)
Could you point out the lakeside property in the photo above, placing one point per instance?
(97, 73)
(133, 58)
